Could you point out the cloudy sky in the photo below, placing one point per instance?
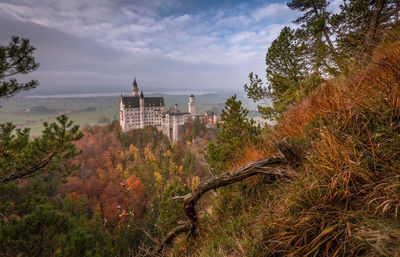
(99, 45)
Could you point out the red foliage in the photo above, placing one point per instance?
(75, 196)
(107, 191)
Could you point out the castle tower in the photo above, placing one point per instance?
(192, 106)
(121, 114)
(135, 88)
(141, 105)
(175, 129)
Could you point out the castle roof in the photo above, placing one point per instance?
(134, 101)
(134, 84)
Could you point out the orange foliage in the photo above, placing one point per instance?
(248, 154)
(111, 213)
(75, 196)
(100, 182)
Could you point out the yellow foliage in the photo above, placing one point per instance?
(194, 183)
(119, 168)
(148, 153)
(180, 170)
(158, 177)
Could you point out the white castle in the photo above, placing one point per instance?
(139, 111)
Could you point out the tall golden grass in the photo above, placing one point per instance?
(346, 199)
(351, 178)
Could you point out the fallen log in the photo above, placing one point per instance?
(278, 166)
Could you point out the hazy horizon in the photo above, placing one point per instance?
(100, 45)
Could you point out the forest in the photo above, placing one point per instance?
(322, 181)
(106, 205)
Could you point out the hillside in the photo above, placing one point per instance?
(344, 198)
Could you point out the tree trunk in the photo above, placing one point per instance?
(373, 24)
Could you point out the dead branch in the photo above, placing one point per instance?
(278, 166)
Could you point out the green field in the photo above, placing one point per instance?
(32, 112)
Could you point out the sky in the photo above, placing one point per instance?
(100, 45)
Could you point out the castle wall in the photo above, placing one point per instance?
(134, 118)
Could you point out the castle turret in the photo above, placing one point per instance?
(121, 113)
(192, 106)
(135, 88)
(141, 106)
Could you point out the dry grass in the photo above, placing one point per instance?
(352, 126)
(346, 200)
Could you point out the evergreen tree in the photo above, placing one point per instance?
(170, 212)
(362, 23)
(286, 75)
(20, 156)
(130, 239)
(68, 205)
(316, 32)
(97, 222)
(298, 61)
(83, 240)
(81, 208)
(234, 132)
(16, 59)
(102, 238)
(40, 233)
(188, 164)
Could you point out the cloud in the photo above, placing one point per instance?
(103, 42)
(274, 12)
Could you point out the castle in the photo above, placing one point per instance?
(140, 111)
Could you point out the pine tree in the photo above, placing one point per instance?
(234, 132)
(85, 241)
(16, 59)
(81, 208)
(40, 233)
(362, 23)
(170, 212)
(68, 205)
(188, 163)
(316, 32)
(97, 222)
(20, 156)
(286, 75)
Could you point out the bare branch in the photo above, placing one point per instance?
(278, 166)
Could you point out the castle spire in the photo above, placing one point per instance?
(141, 94)
(135, 88)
